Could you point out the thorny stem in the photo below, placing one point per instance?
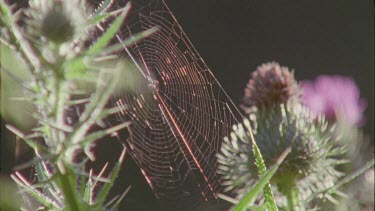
(54, 99)
(27, 54)
(68, 188)
(51, 96)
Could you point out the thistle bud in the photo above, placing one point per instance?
(278, 120)
(57, 27)
(310, 166)
(56, 21)
(270, 85)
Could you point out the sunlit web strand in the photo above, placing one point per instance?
(180, 112)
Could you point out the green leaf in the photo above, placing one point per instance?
(75, 68)
(109, 34)
(99, 18)
(100, 134)
(45, 180)
(263, 181)
(270, 201)
(82, 183)
(235, 201)
(94, 109)
(6, 15)
(88, 196)
(34, 192)
(104, 5)
(130, 41)
(102, 195)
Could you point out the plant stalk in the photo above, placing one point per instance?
(68, 188)
(292, 198)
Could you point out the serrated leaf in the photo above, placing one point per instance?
(102, 42)
(82, 182)
(262, 182)
(44, 178)
(270, 201)
(87, 196)
(235, 201)
(99, 18)
(102, 133)
(103, 6)
(34, 192)
(103, 193)
(131, 40)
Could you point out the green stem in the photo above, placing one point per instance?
(292, 198)
(67, 185)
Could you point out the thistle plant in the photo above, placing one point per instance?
(338, 99)
(50, 39)
(279, 120)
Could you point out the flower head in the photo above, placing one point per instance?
(310, 166)
(279, 120)
(269, 85)
(57, 21)
(335, 97)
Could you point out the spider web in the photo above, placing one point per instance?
(180, 112)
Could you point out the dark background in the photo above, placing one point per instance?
(311, 37)
(234, 37)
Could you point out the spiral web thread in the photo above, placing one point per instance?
(180, 112)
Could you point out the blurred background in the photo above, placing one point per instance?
(234, 37)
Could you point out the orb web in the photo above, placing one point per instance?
(180, 112)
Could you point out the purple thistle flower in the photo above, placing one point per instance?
(270, 85)
(336, 97)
